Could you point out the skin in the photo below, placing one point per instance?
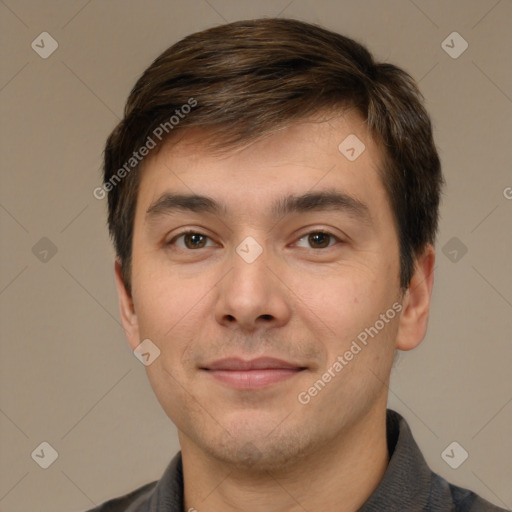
(301, 301)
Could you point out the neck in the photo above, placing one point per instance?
(340, 476)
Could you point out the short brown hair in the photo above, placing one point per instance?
(250, 78)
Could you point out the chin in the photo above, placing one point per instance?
(260, 449)
(254, 459)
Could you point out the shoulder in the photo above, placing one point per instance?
(164, 494)
(135, 501)
(463, 500)
(410, 484)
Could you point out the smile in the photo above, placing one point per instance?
(254, 374)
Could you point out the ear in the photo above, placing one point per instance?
(128, 315)
(416, 302)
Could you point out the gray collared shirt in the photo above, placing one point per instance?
(408, 484)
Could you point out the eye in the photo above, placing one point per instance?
(319, 239)
(191, 240)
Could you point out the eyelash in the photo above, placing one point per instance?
(194, 232)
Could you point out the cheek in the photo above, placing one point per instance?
(159, 291)
(169, 388)
(347, 308)
(346, 298)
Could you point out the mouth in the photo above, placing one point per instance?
(253, 374)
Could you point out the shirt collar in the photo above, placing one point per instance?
(407, 481)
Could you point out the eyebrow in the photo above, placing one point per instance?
(169, 203)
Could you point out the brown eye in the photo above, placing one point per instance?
(194, 240)
(319, 239)
(191, 240)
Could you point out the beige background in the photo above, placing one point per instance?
(67, 374)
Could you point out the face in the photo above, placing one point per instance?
(260, 311)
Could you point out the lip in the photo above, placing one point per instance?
(260, 363)
(253, 374)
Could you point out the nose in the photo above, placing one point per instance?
(252, 296)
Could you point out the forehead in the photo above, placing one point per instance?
(325, 152)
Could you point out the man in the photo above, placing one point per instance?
(273, 199)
